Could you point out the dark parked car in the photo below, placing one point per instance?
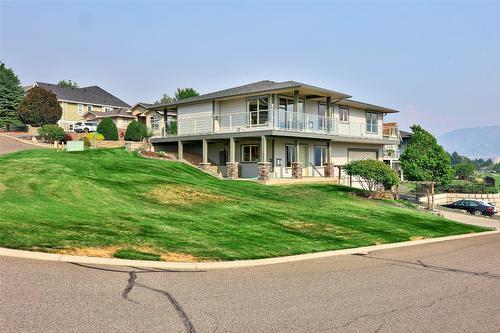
(476, 207)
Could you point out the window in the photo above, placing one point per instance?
(319, 155)
(80, 109)
(344, 114)
(371, 122)
(155, 123)
(250, 153)
(258, 111)
(89, 108)
(107, 109)
(290, 155)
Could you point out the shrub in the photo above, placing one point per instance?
(108, 129)
(86, 142)
(94, 136)
(372, 175)
(51, 133)
(136, 131)
(39, 107)
(467, 187)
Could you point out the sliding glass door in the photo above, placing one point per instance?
(289, 118)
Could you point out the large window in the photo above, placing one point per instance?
(290, 155)
(319, 155)
(155, 123)
(371, 122)
(288, 117)
(258, 111)
(344, 114)
(250, 153)
(80, 109)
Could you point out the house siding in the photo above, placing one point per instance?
(202, 124)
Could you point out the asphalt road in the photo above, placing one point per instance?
(450, 286)
(10, 145)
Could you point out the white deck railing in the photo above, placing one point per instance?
(273, 119)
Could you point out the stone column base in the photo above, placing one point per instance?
(264, 170)
(297, 170)
(232, 170)
(329, 170)
(205, 166)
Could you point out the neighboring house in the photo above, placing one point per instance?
(272, 129)
(121, 117)
(157, 121)
(76, 102)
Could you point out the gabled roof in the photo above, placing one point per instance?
(87, 95)
(252, 88)
(405, 134)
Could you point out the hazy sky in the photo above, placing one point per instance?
(438, 63)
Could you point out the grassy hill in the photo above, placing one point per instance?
(114, 203)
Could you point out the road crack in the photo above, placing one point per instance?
(401, 309)
(130, 285)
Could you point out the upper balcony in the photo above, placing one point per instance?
(280, 120)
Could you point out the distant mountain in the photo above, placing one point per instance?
(473, 142)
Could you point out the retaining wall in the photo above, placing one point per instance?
(446, 198)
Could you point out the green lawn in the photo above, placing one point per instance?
(113, 202)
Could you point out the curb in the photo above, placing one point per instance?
(224, 264)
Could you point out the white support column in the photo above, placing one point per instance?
(263, 149)
(205, 151)
(180, 151)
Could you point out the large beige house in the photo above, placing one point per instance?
(76, 102)
(272, 129)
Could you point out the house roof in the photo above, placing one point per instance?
(367, 106)
(405, 134)
(115, 113)
(253, 88)
(88, 95)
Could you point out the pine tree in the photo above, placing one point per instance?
(11, 94)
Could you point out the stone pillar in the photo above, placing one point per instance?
(264, 170)
(297, 170)
(329, 168)
(232, 170)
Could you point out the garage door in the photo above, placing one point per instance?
(355, 155)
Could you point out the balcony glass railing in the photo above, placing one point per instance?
(274, 119)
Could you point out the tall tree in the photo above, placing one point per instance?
(180, 93)
(464, 170)
(11, 94)
(39, 107)
(67, 84)
(183, 93)
(426, 161)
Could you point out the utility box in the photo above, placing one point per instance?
(75, 146)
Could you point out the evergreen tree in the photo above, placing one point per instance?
(108, 129)
(11, 94)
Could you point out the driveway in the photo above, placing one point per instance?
(11, 145)
(451, 286)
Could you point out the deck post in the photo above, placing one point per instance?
(205, 165)
(264, 165)
(232, 165)
(328, 114)
(296, 108)
(329, 166)
(180, 150)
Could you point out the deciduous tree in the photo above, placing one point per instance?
(424, 160)
(39, 107)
